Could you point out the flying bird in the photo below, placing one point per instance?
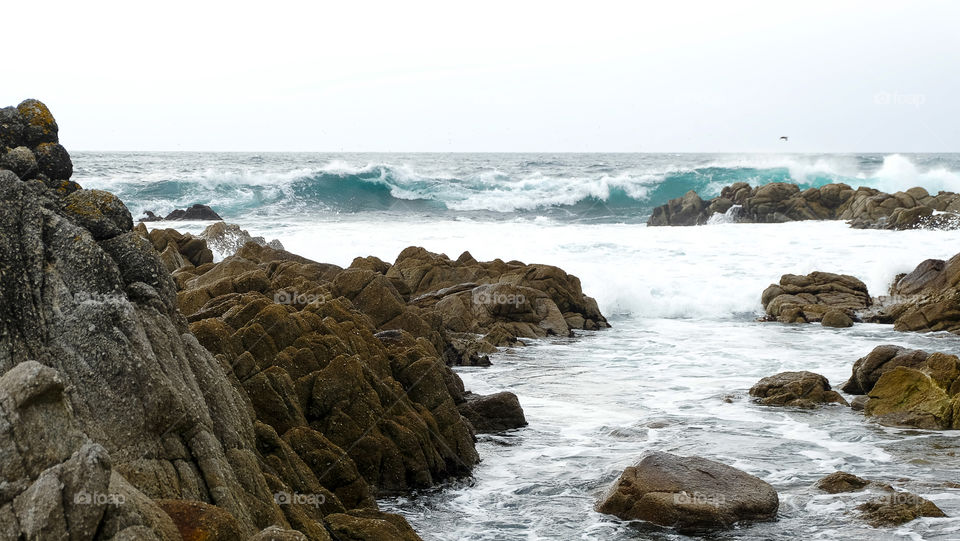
(783, 138)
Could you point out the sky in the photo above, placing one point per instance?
(529, 76)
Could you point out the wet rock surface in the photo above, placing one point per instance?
(691, 494)
(796, 389)
(816, 297)
(909, 388)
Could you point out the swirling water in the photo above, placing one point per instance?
(671, 374)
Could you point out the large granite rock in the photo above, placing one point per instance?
(691, 494)
(810, 298)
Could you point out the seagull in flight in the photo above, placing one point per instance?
(783, 138)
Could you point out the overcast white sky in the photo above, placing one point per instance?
(491, 76)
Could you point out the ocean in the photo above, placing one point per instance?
(672, 373)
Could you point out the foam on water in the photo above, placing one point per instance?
(571, 187)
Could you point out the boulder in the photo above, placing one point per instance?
(691, 494)
(21, 161)
(686, 210)
(802, 299)
(796, 389)
(840, 481)
(837, 319)
(99, 212)
(493, 413)
(39, 124)
(54, 161)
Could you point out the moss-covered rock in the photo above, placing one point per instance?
(99, 212)
(39, 124)
(53, 161)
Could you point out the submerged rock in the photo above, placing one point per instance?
(691, 494)
(796, 389)
(897, 508)
(841, 481)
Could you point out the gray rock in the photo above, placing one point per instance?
(11, 127)
(99, 212)
(54, 161)
(691, 494)
(21, 161)
(39, 124)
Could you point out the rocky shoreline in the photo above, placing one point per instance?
(148, 392)
(778, 202)
(152, 390)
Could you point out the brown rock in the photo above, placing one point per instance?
(795, 389)
(691, 494)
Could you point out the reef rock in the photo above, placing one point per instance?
(691, 494)
(779, 202)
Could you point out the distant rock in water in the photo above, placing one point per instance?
(196, 212)
(690, 494)
(777, 202)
